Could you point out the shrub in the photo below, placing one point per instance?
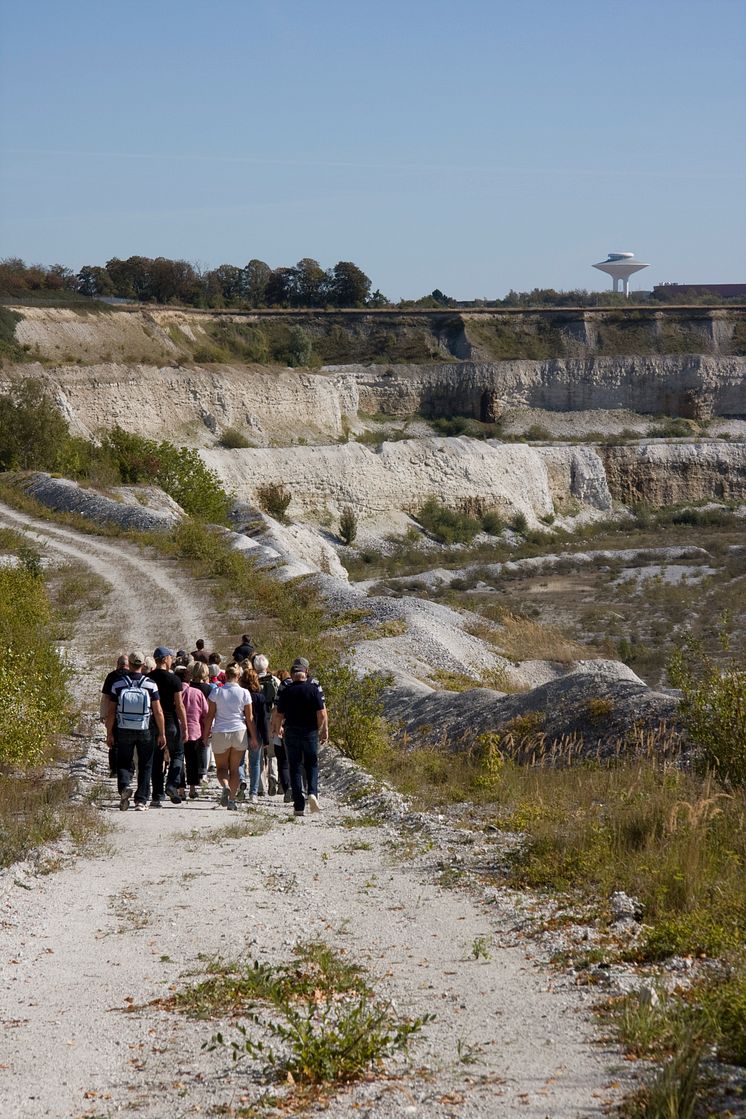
(713, 707)
(179, 471)
(233, 439)
(32, 677)
(492, 523)
(33, 433)
(348, 525)
(274, 499)
(448, 525)
(538, 433)
(519, 524)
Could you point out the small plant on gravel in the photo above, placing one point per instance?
(325, 1024)
(326, 1042)
(274, 499)
(480, 948)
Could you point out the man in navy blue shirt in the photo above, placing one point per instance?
(301, 709)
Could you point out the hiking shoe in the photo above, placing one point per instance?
(124, 798)
(232, 806)
(141, 807)
(156, 804)
(273, 789)
(313, 804)
(173, 794)
(193, 794)
(242, 787)
(254, 799)
(288, 797)
(301, 813)
(224, 798)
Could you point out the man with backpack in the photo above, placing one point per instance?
(121, 669)
(134, 704)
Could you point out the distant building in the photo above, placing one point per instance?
(620, 266)
(725, 291)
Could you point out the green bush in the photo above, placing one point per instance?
(33, 433)
(713, 708)
(179, 471)
(274, 499)
(348, 525)
(32, 677)
(233, 439)
(9, 348)
(448, 525)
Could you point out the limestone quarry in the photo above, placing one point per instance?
(566, 419)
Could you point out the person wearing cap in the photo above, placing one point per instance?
(128, 742)
(169, 688)
(121, 668)
(300, 712)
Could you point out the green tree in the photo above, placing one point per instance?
(307, 287)
(33, 433)
(347, 285)
(94, 281)
(255, 277)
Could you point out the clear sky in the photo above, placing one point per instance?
(470, 145)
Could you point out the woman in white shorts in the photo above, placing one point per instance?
(232, 724)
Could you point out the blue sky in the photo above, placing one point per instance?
(474, 146)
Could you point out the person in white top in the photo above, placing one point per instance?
(231, 722)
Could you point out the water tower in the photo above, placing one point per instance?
(620, 266)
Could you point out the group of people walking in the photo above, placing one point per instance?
(171, 712)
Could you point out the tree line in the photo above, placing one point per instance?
(160, 280)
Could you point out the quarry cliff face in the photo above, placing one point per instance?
(185, 376)
(476, 475)
(693, 386)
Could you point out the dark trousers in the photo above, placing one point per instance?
(176, 750)
(129, 742)
(283, 770)
(159, 779)
(197, 759)
(302, 747)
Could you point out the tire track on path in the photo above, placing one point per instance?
(146, 604)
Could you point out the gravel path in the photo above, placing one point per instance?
(79, 947)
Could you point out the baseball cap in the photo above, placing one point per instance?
(300, 664)
(162, 652)
(135, 659)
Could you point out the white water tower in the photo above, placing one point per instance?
(620, 266)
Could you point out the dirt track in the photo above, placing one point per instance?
(79, 946)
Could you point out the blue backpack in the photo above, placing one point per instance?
(133, 705)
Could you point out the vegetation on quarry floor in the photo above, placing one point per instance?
(609, 607)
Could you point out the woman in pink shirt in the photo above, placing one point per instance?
(196, 708)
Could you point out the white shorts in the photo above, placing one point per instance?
(224, 740)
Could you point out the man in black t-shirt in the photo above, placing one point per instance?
(301, 709)
(169, 686)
